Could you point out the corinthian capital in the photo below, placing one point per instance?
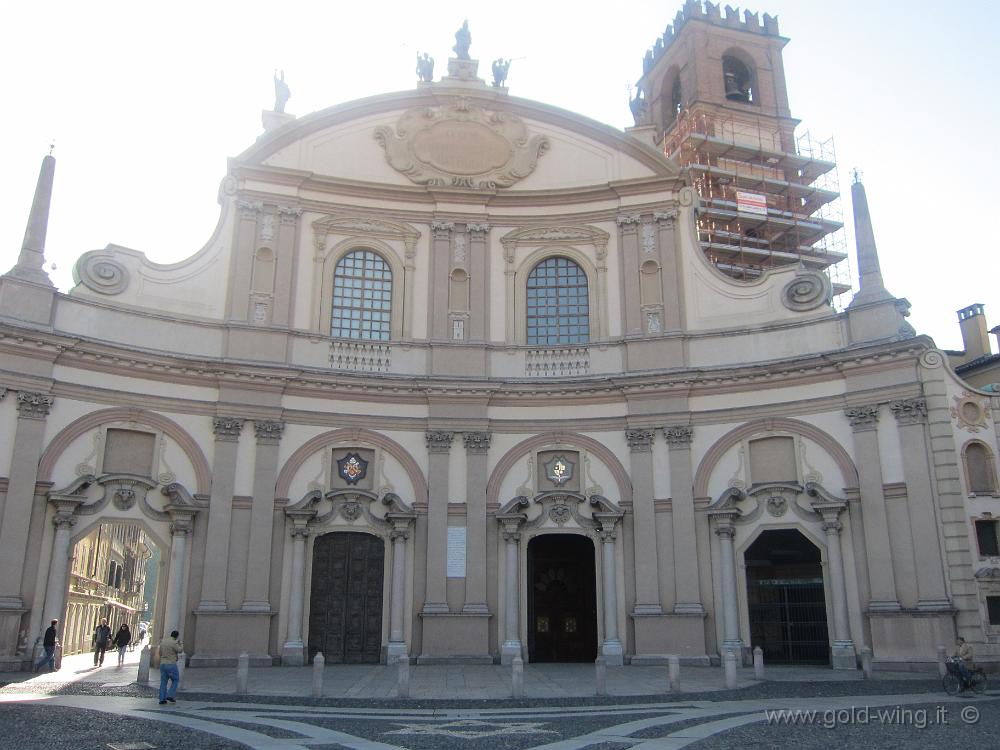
(268, 432)
(33, 405)
(227, 429)
(679, 435)
(439, 441)
(863, 417)
(477, 442)
(640, 441)
(909, 410)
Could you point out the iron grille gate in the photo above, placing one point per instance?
(788, 619)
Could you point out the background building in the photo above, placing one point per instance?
(458, 378)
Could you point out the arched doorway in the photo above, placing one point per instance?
(114, 574)
(786, 599)
(345, 605)
(562, 599)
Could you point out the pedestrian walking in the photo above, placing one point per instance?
(100, 642)
(170, 647)
(49, 644)
(123, 639)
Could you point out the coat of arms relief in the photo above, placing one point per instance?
(461, 144)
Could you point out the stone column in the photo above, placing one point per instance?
(440, 265)
(511, 635)
(409, 271)
(843, 646)
(864, 422)
(397, 606)
(245, 245)
(55, 590)
(286, 262)
(611, 649)
(293, 652)
(180, 529)
(670, 270)
(628, 243)
(911, 418)
(32, 411)
(476, 446)
(601, 252)
(438, 448)
(220, 510)
(262, 516)
(730, 611)
(647, 590)
(685, 537)
(479, 321)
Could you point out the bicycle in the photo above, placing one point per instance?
(954, 684)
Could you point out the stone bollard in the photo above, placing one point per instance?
(674, 673)
(942, 660)
(319, 663)
(866, 662)
(242, 673)
(517, 677)
(601, 674)
(758, 663)
(143, 676)
(403, 677)
(729, 662)
(181, 666)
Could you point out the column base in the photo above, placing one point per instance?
(935, 605)
(647, 609)
(476, 609)
(395, 651)
(509, 650)
(293, 654)
(435, 608)
(249, 606)
(613, 653)
(456, 638)
(883, 605)
(842, 655)
(657, 636)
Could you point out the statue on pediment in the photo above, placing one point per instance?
(463, 40)
(281, 92)
(500, 68)
(425, 67)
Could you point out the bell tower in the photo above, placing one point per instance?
(713, 91)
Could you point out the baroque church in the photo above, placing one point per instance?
(461, 376)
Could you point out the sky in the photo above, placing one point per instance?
(146, 101)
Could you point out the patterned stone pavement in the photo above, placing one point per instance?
(469, 708)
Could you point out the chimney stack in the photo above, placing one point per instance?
(975, 340)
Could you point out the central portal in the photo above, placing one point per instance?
(786, 599)
(345, 609)
(562, 600)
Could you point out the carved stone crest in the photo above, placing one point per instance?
(461, 145)
(777, 505)
(560, 513)
(970, 412)
(350, 510)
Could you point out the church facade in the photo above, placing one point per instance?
(454, 380)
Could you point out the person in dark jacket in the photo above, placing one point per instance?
(123, 638)
(101, 641)
(49, 644)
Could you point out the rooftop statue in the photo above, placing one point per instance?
(281, 92)
(500, 68)
(463, 39)
(640, 109)
(425, 67)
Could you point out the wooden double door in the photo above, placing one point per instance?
(345, 610)
(562, 599)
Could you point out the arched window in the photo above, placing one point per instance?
(558, 308)
(362, 297)
(739, 80)
(979, 473)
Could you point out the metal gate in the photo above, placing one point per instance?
(788, 619)
(345, 610)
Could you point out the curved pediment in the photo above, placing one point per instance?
(369, 227)
(556, 235)
(457, 139)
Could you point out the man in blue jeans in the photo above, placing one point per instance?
(170, 648)
(49, 644)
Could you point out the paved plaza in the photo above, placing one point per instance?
(470, 708)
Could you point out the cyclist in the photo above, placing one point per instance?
(966, 663)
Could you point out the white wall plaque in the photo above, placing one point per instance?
(456, 552)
